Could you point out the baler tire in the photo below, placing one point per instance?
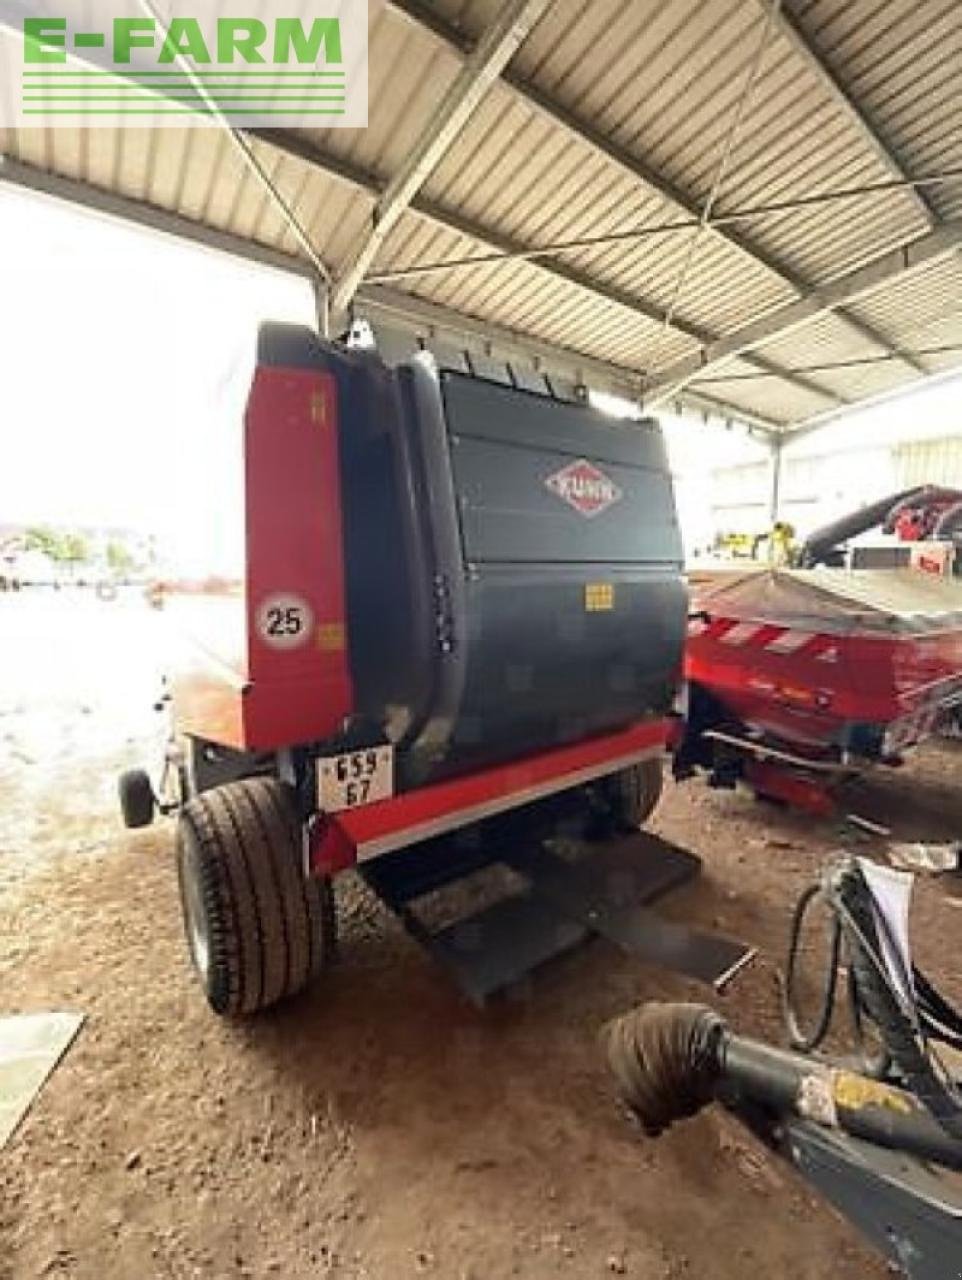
(258, 929)
(636, 792)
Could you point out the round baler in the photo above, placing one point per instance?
(453, 599)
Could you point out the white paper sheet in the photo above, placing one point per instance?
(891, 898)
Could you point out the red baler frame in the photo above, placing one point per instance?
(264, 698)
(337, 840)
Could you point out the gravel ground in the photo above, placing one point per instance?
(377, 1126)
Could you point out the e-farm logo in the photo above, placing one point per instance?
(188, 62)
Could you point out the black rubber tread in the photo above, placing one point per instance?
(245, 921)
(203, 852)
(136, 798)
(270, 927)
(637, 791)
(311, 913)
(255, 849)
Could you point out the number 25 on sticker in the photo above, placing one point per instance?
(285, 621)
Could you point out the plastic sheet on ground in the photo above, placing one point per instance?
(31, 1045)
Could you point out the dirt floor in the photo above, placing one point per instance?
(378, 1126)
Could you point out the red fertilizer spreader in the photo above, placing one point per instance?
(797, 678)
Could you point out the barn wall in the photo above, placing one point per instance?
(929, 462)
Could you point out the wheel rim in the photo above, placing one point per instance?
(195, 915)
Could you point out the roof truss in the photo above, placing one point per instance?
(481, 67)
(422, 316)
(792, 30)
(420, 14)
(886, 269)
(292, 144)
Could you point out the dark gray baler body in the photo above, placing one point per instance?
(488, 617)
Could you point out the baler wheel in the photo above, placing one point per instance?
(137, 802)
(635, 792)
(258, 928)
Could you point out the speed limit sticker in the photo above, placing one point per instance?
(285, 621)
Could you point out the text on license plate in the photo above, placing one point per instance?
(355, 778)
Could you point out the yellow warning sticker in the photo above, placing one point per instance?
(854, 1092)
(330, 637)
(599, 597)
(318, 408)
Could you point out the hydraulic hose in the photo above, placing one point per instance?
(922, 497)
(873, 998)
(807, 1041)
(904, 1037)
(948, 522)
(874, 1064)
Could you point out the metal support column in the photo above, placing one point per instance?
(775, 502)
(322, 306)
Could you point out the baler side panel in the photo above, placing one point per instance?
(443, 561)
(575, 614)
(386, 545)
(300, 685)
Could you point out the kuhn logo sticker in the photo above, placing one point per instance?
(584, 487)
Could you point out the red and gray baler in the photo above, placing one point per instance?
(458, 599)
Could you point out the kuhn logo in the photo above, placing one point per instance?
(584, 487)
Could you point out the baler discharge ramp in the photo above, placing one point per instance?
(558, 904)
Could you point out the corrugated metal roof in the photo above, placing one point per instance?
(923, 313)
(901, 61)
(744, 387)
(612, 120)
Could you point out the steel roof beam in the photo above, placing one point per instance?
(417, 312)
(297, 146)
(112, 205)
(793, 32)
(458, 41)
(481, 68)
(888, 268)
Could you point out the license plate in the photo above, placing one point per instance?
(355, 778)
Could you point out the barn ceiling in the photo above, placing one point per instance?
(754, 207)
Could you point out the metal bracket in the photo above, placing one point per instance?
(910, 1212)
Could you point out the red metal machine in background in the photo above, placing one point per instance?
(454, 627)
(798, 678)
